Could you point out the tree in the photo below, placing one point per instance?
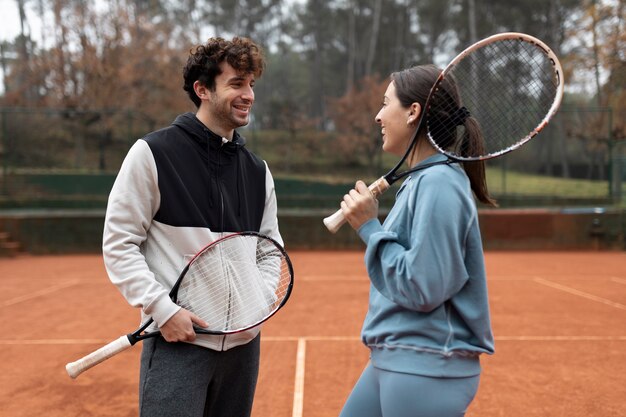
(353, 113)
(597, 41)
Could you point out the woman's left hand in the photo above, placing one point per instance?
(359, 205)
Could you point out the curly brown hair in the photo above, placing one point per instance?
(204, 60)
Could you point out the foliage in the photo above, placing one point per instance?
(127, 54)
(597, 60)
(353, 114)
(113, 69)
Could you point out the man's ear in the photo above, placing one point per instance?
(201, 90)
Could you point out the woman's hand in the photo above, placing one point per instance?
(359, 205)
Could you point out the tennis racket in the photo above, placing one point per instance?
(235, 283)
(510, 83)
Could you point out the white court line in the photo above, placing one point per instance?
(298, 395)
(570, 278)
(39, 293)
(340, 278)
(104, 341)
(302, 342)
(298, 389)
(311, 338)
(559, 338)
(579, 293)
(55, 342)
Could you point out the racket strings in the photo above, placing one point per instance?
(508, 86)
(237, 283)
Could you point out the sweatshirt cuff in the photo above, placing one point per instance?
(368, 228)
(161, 310)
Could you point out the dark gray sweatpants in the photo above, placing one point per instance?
(184, 380)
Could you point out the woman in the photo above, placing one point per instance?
(428, 318)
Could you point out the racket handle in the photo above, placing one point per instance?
(105, 352)
(335, 221)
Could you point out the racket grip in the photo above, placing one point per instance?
(336, 220)
(105, 352)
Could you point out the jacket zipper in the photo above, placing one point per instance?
(219, 191)
(219, 186)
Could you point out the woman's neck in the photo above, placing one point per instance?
(423, 149)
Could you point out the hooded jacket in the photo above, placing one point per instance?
(178, 189)
(428, 308)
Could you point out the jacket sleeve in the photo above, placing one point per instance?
(269, 222)
(133, 202)
(430, 269)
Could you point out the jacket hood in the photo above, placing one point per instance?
(211, 142)
(190, 123)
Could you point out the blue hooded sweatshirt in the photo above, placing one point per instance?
(428, 308)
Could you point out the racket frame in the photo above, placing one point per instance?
(392, 177)
(174, 291)
(125, 342)
(378, 187)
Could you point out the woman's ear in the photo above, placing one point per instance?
(414, 113)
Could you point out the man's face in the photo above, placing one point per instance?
(231, 102)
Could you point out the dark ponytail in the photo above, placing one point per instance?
(412, 86)
(475, 170)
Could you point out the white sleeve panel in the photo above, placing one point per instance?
(133, 202)
(269, 223)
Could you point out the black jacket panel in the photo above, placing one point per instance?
(206, 181)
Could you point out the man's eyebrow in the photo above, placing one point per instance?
(238, 78)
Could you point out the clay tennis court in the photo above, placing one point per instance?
(559, 320)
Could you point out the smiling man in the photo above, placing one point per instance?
(178, 189)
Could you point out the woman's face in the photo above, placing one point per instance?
(397, 122)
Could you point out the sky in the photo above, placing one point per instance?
(9, 20)
(10, 24)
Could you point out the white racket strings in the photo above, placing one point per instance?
(236, 283)
(508, 87)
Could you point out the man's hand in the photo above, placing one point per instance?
(179, 328)
(359, 205)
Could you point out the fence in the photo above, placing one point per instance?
(67, 158)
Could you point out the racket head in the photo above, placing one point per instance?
(236, 283)
(511, 85)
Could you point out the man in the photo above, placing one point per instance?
(178, 189)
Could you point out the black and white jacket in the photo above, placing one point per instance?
(178, 189)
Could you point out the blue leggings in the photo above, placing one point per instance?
(380, 393)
